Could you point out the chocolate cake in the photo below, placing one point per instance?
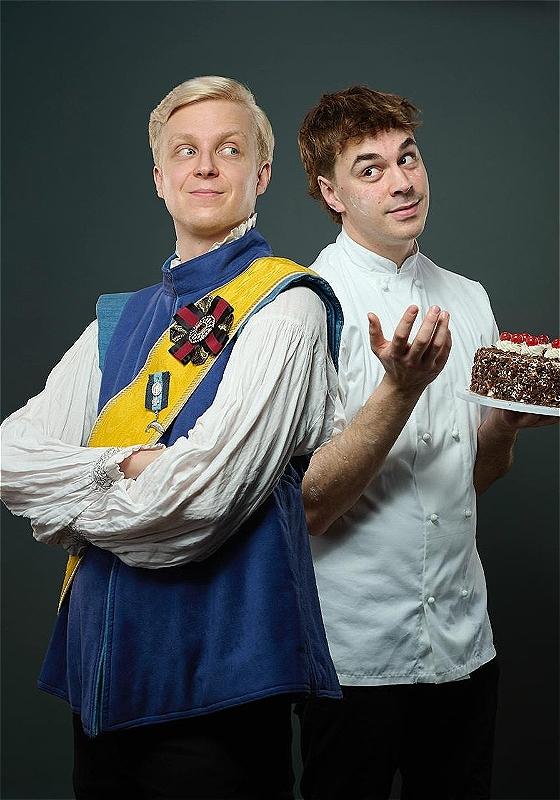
(521, 368)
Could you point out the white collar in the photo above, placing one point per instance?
(363, 257)
(235, 233)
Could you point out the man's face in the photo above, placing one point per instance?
(208, 173)
(380, 187)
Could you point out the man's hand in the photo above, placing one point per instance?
(516, 420)
(134, 465)
(496, 439)
(411, 367)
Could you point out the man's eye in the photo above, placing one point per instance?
(186, 151)
(230, 150)
(371, 172)
(408, 158)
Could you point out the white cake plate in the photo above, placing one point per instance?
(526, 408)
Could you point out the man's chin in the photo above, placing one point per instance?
(411, 231)
(208, 227)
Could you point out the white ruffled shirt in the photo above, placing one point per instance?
(275, 400)
(401, 585)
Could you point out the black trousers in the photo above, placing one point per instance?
(439, 736)
(242, 753)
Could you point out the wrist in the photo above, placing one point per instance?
(384, 414)
(497, 426)
(394, 392)
(136, 461)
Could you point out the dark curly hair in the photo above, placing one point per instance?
(350, 114)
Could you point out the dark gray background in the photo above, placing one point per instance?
(81, 217)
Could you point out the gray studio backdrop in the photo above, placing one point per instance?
(81, 217)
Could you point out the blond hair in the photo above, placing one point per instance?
(211, 87)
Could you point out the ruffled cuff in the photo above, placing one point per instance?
(106, 470)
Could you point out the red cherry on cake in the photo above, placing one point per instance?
(542, 338)
(517, 338)
(555, 343)
(531, 341)
(505, 336)
(526, 336)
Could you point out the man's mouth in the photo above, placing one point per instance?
(406, 207)
(407, 210)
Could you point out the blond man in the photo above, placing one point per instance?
(189, 619)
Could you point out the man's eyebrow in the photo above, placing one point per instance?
(366, 157)
(408, 142)
(186, 136)
(229, 134)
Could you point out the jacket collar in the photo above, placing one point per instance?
(203, 273)
(371, 261)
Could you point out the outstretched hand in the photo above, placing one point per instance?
(412, 366)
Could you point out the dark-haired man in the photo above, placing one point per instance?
(400, 581)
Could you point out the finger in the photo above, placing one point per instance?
(441, 338)
(402, 331)
(443, 354)
(535, 420)
(545, 419)
(376, 338)
(441, 330)
(425, 333)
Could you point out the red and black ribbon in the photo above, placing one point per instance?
(200, 330)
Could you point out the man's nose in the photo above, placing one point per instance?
(400, 181)
(206, 166)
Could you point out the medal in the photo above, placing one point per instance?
(157, 397)
(200, 329)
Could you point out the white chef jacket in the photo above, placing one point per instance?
(276, 399)
(401, 585)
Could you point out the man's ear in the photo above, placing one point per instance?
(263, 177)
(330, 195)
(158, 181)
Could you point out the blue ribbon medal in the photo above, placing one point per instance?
(157, 397)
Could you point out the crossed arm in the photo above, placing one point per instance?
(275, 400)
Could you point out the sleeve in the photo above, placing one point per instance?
(490, 333)
(48, 475)
(340, 419)
(275, 400)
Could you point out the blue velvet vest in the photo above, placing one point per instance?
(138, 646)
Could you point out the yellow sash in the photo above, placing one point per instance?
(123, 421)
